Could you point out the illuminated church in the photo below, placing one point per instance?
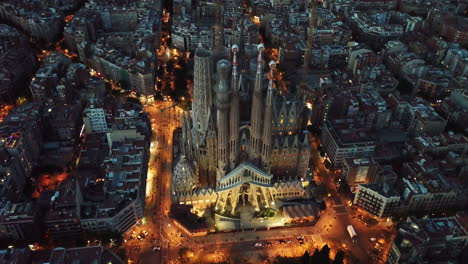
(243, 141)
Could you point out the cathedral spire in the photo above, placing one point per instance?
(202, 97)
(266, 138)
(222, 117)
(259, 74)
(234, 111)
(256, 113)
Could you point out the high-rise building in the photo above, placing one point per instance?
(94, 118)
(341, 139)
(359, 170)
(380, 200)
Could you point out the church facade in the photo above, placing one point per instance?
(244, 141)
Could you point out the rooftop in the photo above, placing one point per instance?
(383, 189)
(349, 131)
(441, 228)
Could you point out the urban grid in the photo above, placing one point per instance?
(234, 131)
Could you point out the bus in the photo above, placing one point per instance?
(352, 233)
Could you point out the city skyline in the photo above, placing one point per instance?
(237, 131)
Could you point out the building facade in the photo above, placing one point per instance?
(235, 153)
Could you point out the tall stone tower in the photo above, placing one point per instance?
(222, 117)
(266, 137)
(234, 112)
(210, 158)
(256, 113)
(202, 98)
(186, 144)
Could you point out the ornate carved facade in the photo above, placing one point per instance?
(243, 150)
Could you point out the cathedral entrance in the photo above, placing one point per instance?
(244, 194)
(245, 186)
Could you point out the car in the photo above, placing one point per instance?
(289, 241)
(257, 245)
(373, 239)
(156, 248)
(146, 233)
(281, 241)
(139, 238)
(268, 243)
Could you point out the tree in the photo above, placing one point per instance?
(315, 259)
(321, 256)
(306, 257)
(325, 254)
(339, 257)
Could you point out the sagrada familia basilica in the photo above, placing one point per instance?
(244, 142)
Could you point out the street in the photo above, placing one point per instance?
(158, 201)
(330, 228)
